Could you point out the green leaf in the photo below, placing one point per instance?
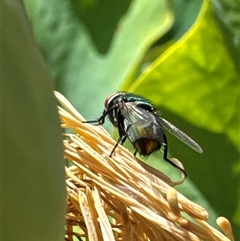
(79, 70)
(186, 13)
(100, 26)
(196, 85)
(198, 66)
(194, 81)
(228, 12)
(33, 180)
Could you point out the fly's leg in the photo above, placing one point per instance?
(121, 131)
(99, 121)
(165, 152)
(120, 140)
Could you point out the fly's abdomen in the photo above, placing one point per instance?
(146, 139)
(145, 146)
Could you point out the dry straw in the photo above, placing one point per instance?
(119, 198)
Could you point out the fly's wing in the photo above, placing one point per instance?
(181, 135)
(135, 115)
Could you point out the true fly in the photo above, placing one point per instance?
(137, 119)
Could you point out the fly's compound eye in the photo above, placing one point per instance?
(111, 97)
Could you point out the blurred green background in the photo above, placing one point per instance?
(182, 55)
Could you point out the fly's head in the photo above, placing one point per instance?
(112, 107)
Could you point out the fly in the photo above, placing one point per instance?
(137, 119)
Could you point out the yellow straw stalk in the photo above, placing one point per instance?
(120, 198)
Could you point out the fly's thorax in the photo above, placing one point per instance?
(138, 100)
